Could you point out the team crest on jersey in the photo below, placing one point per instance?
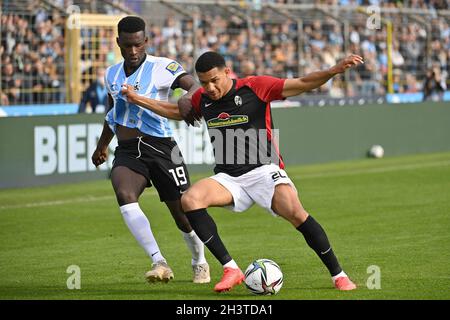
(225, 120)
(173, 67)
(114, 87)
(238, 101)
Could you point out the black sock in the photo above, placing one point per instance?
(206, 229)
(317, 239)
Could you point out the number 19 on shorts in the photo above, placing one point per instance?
(179, 176)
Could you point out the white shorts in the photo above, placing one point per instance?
(256, 186)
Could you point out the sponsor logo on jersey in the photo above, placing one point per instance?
(225, 120)
(136, 86)
(173, 67)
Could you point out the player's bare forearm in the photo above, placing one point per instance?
(162, 108)
(189, 84)
(105, 137)
(311, 81)
(101, 152)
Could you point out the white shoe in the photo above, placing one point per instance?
(201, 273)
(160, 272)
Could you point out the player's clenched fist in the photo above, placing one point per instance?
(351, 61)
(129, 93)
(99, 156)
(187, 112)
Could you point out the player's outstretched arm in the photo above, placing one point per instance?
(294, 87)
(162, 108)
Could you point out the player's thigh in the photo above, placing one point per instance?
(285, 203)
(128, 185)
(206, 193)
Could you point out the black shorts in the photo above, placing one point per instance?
(152, 158)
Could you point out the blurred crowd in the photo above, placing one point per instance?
(32, 48)
(32, 57)
(272, 48)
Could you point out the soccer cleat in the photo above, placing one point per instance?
(231, 277)
(160, 272)
(344, 284)
(201, 273)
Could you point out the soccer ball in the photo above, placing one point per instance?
(376, 151)
(263, 277)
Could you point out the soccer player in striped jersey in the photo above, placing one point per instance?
(145, 145)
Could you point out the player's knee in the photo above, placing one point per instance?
(125, 197)
(296, 216)
(191, 200)
(299, 216)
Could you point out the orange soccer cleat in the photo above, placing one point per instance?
(344, 284)
(231, 277)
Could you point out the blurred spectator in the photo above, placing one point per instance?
(95, 98)
(8, 77)
(247, 68)
(368, 74)
(27, 84)
(411, 84)
(434, 86)
(397, 81)
(337, 88)
(3, 99)
(397, 58)
(232, 74)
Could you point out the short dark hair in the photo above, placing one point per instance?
(209, 60)
(131, 24)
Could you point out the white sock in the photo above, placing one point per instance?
(341, 274)
(231, 264)
(139, 226)
(196, 246)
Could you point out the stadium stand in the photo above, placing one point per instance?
(32, 53)
(281, 38)
(274, 46)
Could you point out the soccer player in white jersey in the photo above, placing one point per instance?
(145, 145)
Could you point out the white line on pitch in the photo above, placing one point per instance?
(63, 202)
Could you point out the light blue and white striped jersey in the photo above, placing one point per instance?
(152, 80)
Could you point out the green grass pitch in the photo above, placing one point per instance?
(393, 213)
